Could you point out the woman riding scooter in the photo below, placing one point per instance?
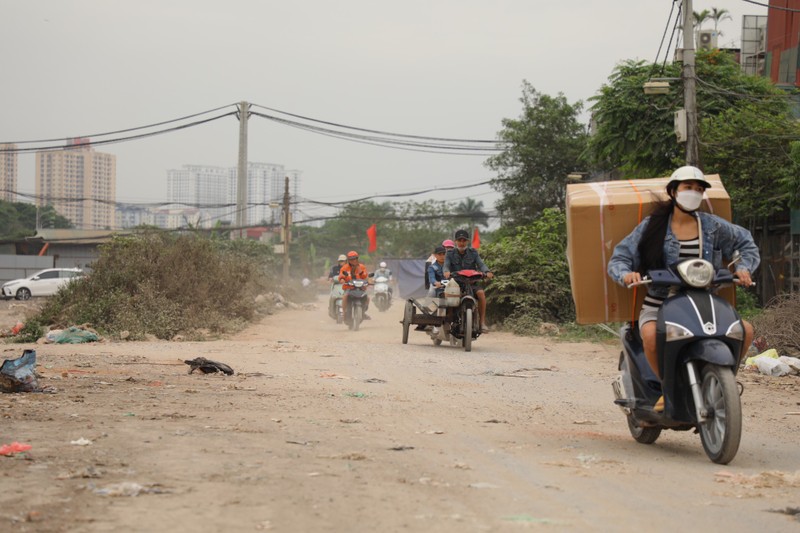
(673, 232)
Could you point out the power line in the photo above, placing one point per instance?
(116, 140)
(62, 199)
(126, 130)
(664, 36)
(377, 131)
(386, 142)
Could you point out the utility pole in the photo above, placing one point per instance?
(690, 86)
(287, 231)
(241, 175)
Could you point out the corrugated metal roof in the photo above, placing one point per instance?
(76, 236)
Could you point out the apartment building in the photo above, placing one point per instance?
(210, 192)
(79, 183)
(9, 171)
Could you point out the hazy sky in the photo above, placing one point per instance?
(442, 68)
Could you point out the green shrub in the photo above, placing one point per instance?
(160, 284)
(532, 276)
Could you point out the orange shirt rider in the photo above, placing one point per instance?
(348, 272)
(352, 269)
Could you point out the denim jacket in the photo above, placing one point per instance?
(469, 260)
(720, 239)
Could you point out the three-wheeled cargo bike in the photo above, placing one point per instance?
(454, 317)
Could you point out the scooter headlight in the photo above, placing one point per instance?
(736, 331)
(676, 332)
(696, 272)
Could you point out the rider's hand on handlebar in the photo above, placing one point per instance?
(744, 278)
(631, 277)
(489, 275)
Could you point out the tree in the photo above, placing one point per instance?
(533, 285)
(745, 128)
(19, 220)
(700, 18)
(472, 213)
(718, 15)
(542, 146)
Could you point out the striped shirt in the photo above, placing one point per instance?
(689, 249)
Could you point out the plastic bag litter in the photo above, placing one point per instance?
(770, 364)
(772, 353)
(772, 367)
(19, 375)
(72, 335)
(130, 489)
(14, 447)
(793, 362)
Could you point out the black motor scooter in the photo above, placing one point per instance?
(356, 302)
(699, 338)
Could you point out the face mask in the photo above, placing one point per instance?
(461, 247)
(689, 200)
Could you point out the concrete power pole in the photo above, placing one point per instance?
(690, 86)
(287, 231)
(241, 174)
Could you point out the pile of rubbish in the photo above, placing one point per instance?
(770, 363)
(19, 375)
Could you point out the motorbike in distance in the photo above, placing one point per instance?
(335, 302)
(381, 296)
(356, 301)
(462, 320)
(699, 338)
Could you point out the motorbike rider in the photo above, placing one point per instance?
(436, 273)
(333, 277)
(353, 269)
(673, 232)
(334, 272)
(384, 271)
(448, 245)
(464, 257)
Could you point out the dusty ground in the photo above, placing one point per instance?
(323, 429)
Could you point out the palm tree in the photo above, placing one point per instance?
(718, 15)
(471, 212)
(700, 18)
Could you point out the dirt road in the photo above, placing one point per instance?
(323, 429)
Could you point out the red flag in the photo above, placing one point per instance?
(372, 233)
(476, 239)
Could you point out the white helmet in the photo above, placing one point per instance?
(342, 257)
(687, 173)
(383, 264)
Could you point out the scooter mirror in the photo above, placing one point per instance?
(737, 256)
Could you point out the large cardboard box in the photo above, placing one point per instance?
(600, 215)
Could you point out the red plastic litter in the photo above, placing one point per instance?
(14, 447)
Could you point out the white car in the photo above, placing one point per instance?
(43, 283)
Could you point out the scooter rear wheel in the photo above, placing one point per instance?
(722, 430)
(643, 435)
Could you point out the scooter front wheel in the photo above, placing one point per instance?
(721, 431)
(643, 435)
(358, 315)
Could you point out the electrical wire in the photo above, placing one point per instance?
(375, 131)
(671, 37)
(387, 142)
(60, 148)
(669, 19)
(126, 130)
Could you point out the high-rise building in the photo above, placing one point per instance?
(8, 173)
(79, 183)
(212, 190)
